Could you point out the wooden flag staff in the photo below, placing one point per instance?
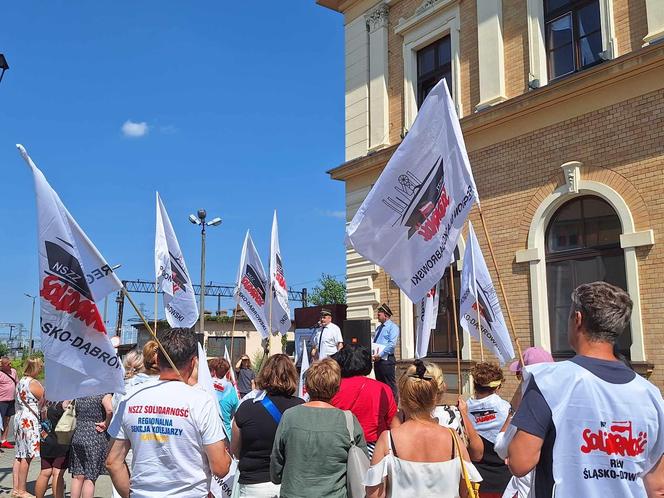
(237, 306)
(152, 332)
(502, 288)
(456, 330)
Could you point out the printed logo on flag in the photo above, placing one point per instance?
(66, 285)
(279, 275)
(178, 277)
(253, 285)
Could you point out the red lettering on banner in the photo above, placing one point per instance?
(67, 299)
(431, 225)
(613, 442)
(246, 283)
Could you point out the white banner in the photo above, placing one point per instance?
(302, 390)
(79, 357)
(172, 275)
(220, 487)
(427, 315)
(231, 372)
(410, 222)
(251, 288)
(280, 312)
(477, 290)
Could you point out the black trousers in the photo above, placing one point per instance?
(385, 370)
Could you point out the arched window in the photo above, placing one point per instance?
(582, 246)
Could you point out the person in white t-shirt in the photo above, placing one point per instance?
(173, 429)
(327, 340)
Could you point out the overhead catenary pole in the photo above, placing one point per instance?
(152, 332)
(456, 329)
(515, 338)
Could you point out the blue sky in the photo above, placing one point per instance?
(236, 107)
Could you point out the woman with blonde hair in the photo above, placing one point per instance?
(420, 457)
(29, 392)
(310, 453)
(255, 425)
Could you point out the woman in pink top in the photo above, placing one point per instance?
(372, 402)
(8, 380)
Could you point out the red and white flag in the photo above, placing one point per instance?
(304, 366)
(427, 315)
(172, 274)
(410, 222)
(251, 288)
(279, 312)
(79, 357)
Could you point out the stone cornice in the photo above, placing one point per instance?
(614, 81)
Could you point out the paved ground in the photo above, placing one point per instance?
(103, 489)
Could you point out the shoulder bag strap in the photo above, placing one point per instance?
(271, 409)
(27, 405)
(12, 378)
(350, 426)
(464, 471)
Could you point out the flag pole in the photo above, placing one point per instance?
(154, 335)
(233, 331)
(456, 330)
(500, 283)
(156, 302)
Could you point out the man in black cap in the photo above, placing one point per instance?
(384, 344)
(327, 340)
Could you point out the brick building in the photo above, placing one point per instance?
(562, 109)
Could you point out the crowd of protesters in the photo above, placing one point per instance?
(570, 430)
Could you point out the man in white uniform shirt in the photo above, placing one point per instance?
(327, 340)
(173, 429)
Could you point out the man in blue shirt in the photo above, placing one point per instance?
(387, 334)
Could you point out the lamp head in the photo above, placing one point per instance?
(194, 220)
(201, 214)
(214, 222)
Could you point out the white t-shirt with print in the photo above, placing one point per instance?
(167, 424)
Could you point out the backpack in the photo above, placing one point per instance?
(357, 464)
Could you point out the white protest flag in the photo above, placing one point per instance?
(477, 290)
(302, 390)
(410, 222)
(220, 487)
(79, 357)
(172, 275)
(231, 372)
(427, 314)
(251, 288)
(280, 312)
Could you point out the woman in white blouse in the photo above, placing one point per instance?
(419, 458)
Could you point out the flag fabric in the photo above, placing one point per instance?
(172, 274)
(220, 487)
(231, 372)
(79, 357)
(410, 222)
(251, 288)
(280, 311)
(302, 390)
(477, 290)
(427, 315)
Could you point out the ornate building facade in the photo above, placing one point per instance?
(562, 109)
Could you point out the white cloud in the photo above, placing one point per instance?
(134, 130)
(334, 214)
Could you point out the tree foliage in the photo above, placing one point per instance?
(328, 291)
(4, 349)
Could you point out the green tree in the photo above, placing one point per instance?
(328, 291)
(4, 349)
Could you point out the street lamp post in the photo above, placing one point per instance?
(32, 322)
(200, 220)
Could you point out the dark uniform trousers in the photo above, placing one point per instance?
(385, 370)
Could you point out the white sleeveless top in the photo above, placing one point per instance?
(419, 479)
(608, 436)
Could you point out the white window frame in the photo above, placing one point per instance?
(538, 74)
(431, 22)
(630, 239)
